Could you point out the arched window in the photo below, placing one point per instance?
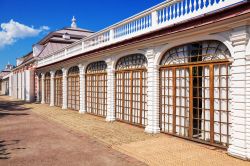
(131, 89)
(194, 93)
(196, 52)
(96, 88)
(131, 62)
(74, 88)
(58, 88)
(47, 88)
(73, 71)
(58, 73)
(97, 67)
(39, 87)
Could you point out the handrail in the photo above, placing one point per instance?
(160, 16)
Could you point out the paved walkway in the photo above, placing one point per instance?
(27, 139)
(157, 149)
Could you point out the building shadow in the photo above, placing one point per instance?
(4, 151)
(13, 108)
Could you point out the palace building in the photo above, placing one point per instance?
(181, 67)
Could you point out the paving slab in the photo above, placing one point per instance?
(26, 139)
(160, 149)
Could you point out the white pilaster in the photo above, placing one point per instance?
(52, 88)
(82, 89)
(153, 93)
(23, 85)
(10, 84)
(64, 88)
(248, 97)
(43, 89)
(238, 147)
(110, 90)
(38, 88)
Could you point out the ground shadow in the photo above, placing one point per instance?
(13, 108)
(4, 152)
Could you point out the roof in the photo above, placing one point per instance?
(26, 58)
(52, 47)
(57, 36)
(4, 73)
(54, 41)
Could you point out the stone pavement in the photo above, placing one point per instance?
(28, 140)
(160, 149)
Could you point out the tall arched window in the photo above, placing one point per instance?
(39, 87)
(47, 87)
(58, 88)
(194, 93)
(131, 89)
(74, 88)
(96, 88)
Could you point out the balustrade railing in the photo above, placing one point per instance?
(160, 16)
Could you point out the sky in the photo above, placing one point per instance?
(25, 22)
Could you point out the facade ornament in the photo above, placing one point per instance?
(73, 24)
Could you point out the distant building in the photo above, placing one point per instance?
(4, 79)
(24, 84)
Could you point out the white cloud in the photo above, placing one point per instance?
(12, 31)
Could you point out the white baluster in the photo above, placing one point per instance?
(181, 8)
(119, 31)
(123, 30)
(128, 32)
(178, 9)
(160, 17)
(170, 12)
(195, 5)
(150, 20)
(128, 28)
(135, 25)
(131, 26)
(163, 15)
(116, 33)
(189, 5)
(166, 9)
(144, 23)
(185, 6)
(146, 18)
(174, 12)
(199, 5)
(141, 24)
(138, 25)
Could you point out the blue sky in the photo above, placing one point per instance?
(41, 17)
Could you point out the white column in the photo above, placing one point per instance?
(52, 88)
(248, 102)
(82, 89)
(64, 89)
(43, 89)
(238, 147)
(38, 88)
(10, 84)
(153, 93)
(248, 95)
(110, 90)
(23, 97)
